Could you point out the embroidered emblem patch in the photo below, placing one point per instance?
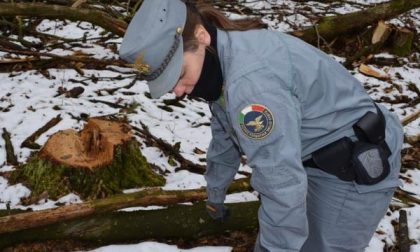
(256, 121)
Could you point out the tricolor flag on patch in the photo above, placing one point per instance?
(256, 121)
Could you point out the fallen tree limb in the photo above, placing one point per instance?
(100, 18)
(187, 222)
(331, 27)
(406, 197)
(30, 141)
(403, 238)
(10, 153)
(406, 120)
(153, 196)
(170, 151)
(83, 59)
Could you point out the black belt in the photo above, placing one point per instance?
(335, 158)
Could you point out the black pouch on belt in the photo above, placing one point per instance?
(364, 161)
(335, 158)
(370, 153)
(370, 163)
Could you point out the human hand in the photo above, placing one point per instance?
(217, 211)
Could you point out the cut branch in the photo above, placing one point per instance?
(100, 18)
(153, 196)
(83, 59)
(170, 151)
(10, 153)
(410, 118)
(30, 141)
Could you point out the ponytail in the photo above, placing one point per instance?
(200, 13)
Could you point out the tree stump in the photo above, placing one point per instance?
(403, 40)
(100, 160)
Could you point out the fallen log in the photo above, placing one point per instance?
(187, 222)
(328, 27)
(331, 27)
(100, 18)
(151, 196)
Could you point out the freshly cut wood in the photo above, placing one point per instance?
(403, 41)
(181, 221)
(90, 148)
(381, 33)
(151, 196)
(100, 160)
(369, 71)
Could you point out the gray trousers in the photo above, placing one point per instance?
(341, 219)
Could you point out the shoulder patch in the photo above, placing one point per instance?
(256, 121)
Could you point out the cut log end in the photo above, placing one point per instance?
(90, 148)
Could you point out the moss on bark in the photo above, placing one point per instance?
(129, 169)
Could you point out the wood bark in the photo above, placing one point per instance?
(403, 42)
(100, 18)
(153, 196)
(331, 27)
(30, 141)
(327, 28)
(10, 153)
(403, 239)
(181, 221)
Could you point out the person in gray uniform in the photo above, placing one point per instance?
(325, 158)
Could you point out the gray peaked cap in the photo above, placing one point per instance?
(155, 33)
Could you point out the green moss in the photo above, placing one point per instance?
(128, 170)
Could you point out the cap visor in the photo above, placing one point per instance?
(169, 77)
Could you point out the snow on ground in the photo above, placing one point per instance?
(28, 100)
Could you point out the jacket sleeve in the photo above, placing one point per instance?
(223, 159)
(274, 153)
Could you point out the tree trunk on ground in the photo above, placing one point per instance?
(186, 222)
(153, 196)
(331, 27)
(100, 18)
(327, 28)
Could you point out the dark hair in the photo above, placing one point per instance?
(198, 13)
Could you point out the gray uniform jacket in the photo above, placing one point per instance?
(283, 99)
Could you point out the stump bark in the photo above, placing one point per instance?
(100, 160)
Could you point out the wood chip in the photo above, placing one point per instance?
(369, 71)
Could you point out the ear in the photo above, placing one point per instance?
(202, 35)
